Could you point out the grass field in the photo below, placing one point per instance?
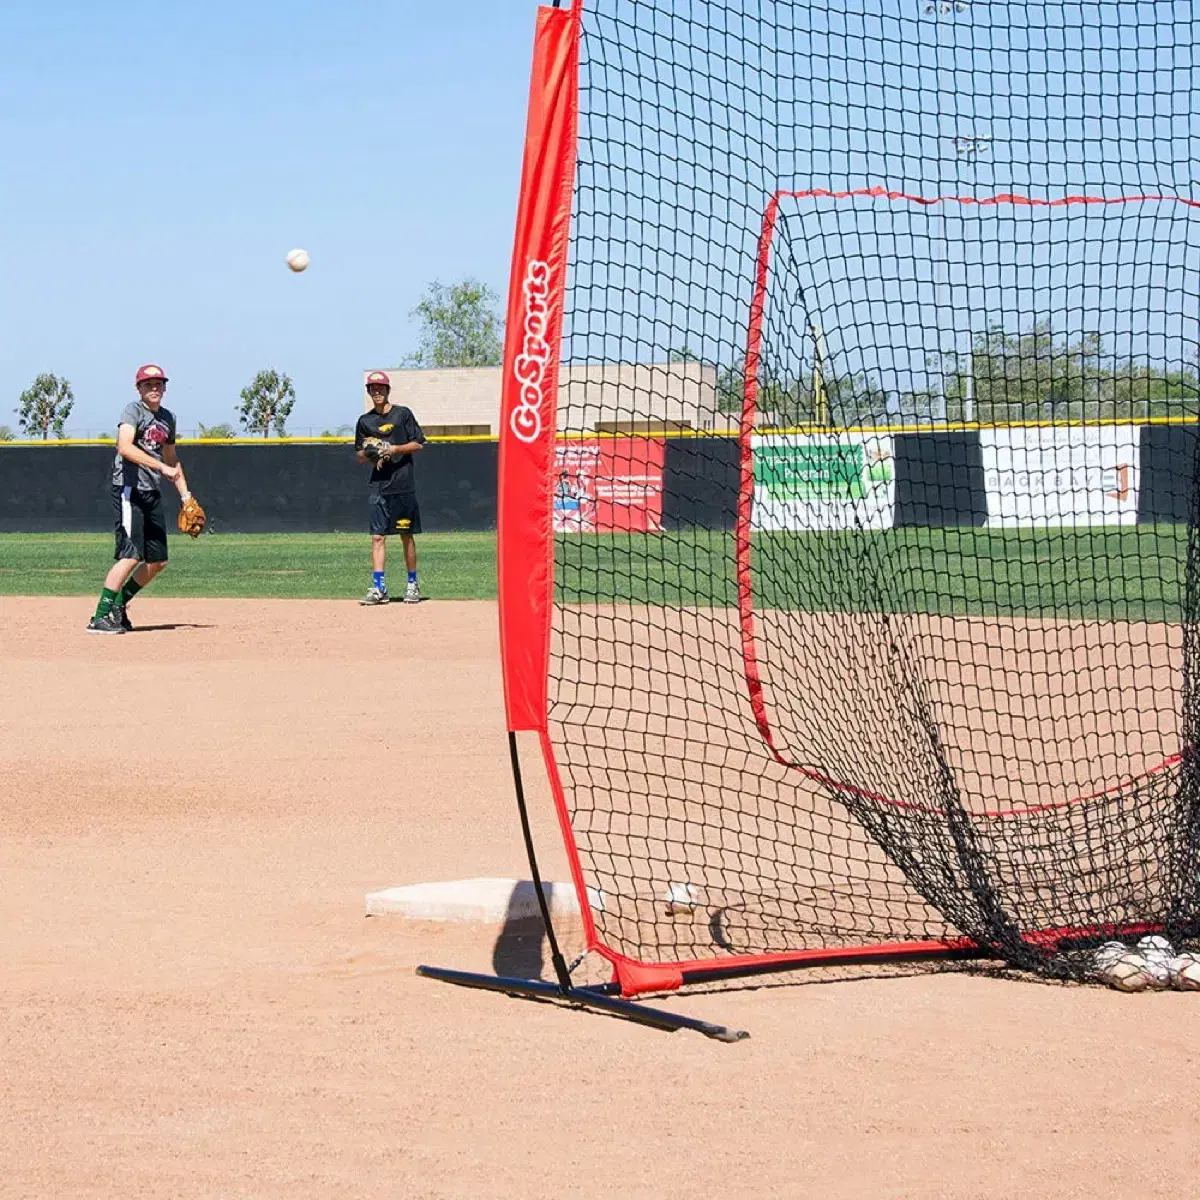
(1131, 573)
(1107, 573)
(301, 565)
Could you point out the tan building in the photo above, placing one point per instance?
(611, 397)
(453, 401)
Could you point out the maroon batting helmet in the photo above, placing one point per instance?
(379, 377)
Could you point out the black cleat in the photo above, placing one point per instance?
(121, 614)
(105, 624)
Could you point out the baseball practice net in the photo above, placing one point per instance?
(848, 518)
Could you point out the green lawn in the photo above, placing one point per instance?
(302, 565)
(1108, 573)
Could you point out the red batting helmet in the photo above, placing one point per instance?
(150, 371)
(379, 377)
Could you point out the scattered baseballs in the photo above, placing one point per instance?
(297, 260)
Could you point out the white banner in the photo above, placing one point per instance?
(1058, 475)
(823, 481)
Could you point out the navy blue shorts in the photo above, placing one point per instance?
(397, 513)
(140, 528)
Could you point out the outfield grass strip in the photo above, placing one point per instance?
(1133, 573)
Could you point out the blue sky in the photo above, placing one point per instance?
(159, 161)
(699, 111)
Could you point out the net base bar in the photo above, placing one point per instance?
(610, 998)
(633, 978)
(596, 999)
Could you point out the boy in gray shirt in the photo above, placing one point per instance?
(145, 452)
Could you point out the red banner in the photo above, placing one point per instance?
(529, 393)
(609, 485)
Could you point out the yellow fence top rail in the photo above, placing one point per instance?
(577, 435)
(238, 441)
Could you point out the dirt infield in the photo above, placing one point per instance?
(193, 1004)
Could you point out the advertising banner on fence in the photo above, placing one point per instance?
(1059, 475)
(823, 481)
(609, 485)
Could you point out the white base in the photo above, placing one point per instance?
(491, 901)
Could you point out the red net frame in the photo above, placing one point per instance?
(532, 384)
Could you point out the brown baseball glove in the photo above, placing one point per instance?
(191, 518)
(375, 450)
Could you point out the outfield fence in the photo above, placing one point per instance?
(1037, 474)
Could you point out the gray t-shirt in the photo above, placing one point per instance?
(153, 431)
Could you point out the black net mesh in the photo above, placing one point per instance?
(899, 301)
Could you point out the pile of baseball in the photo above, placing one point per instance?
(1151, 966)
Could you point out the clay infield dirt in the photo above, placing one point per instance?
(192, 1002)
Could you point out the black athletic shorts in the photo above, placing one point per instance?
(398, 513)
(140, 528)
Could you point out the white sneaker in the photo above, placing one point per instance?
(412, 594)
(376, 596)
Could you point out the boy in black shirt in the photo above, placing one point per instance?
(393, 491)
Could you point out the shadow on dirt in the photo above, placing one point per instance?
(520, 949)
(164, 628)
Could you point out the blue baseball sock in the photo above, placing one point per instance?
(377, 580)
(412, 577)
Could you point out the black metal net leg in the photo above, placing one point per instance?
(536, 989)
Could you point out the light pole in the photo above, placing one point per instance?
(820, 397)
(967, 148)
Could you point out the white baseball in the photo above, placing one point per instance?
(1185, 972)
(297, 260)
(1156, 944)
(680, 897)
(1126, 972)
(1107, 955)
(1158, 954)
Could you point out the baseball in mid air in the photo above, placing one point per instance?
(297, 260)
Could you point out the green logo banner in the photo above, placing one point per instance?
(829, 471)
(823, 481)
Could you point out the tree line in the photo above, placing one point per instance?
(1005, 378)
(44, 407)
(458, 326)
